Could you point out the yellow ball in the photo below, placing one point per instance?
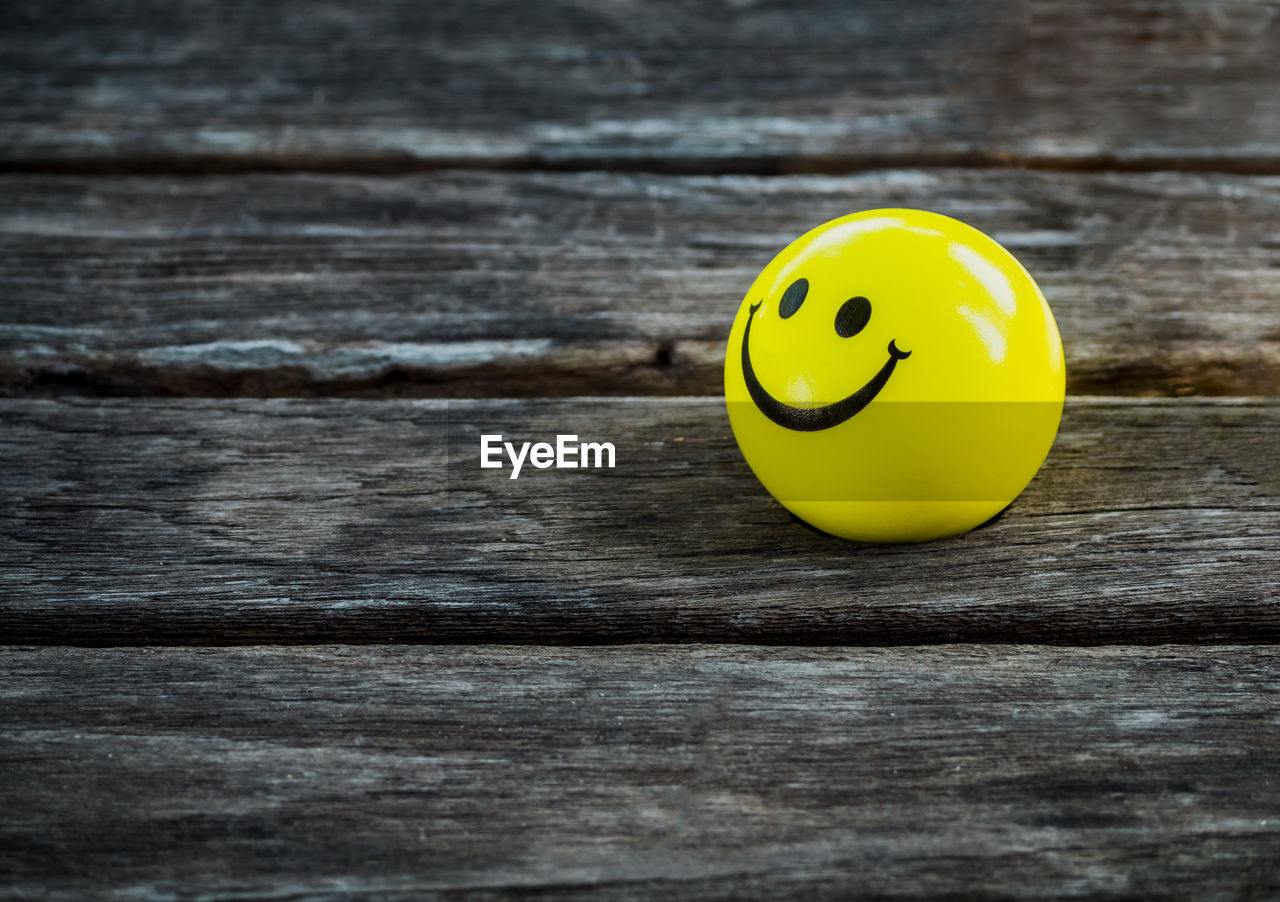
(894, 376)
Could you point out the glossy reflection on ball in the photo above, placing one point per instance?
(894, 376)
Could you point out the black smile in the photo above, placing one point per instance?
(812, 419)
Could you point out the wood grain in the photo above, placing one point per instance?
(764, 86)
(713, 772)
(474, 284)
(234, 521)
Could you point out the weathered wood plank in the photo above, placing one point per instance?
(690, 85)
(522, 284)
(232, 521)
(638, 772)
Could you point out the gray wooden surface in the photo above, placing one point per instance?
(685, 772)
(237, 521)
(267, 270)
(469, 284)
(755, 86)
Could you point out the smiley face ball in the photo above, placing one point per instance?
(894, 376)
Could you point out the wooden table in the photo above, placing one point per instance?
(268, 270)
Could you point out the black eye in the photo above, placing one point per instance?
(793, 297)
(852, 316)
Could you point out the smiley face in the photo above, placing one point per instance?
(894, 375)
(851, 318)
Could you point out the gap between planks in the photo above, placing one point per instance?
(373, 164)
